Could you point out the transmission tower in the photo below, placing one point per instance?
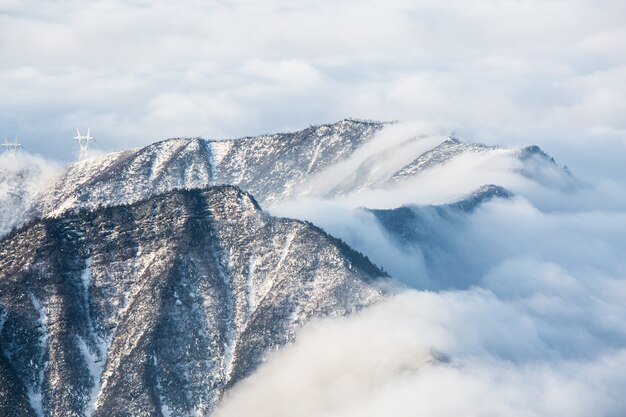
(11, 147)
(83, 142)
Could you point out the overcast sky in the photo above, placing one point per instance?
(551, 72)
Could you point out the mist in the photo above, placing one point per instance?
(22, 177)
(531, 323)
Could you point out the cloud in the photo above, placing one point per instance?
(530, 322)
(292, 73)
(474, 66)
(438, 354)
(22, 178)
(180, 115)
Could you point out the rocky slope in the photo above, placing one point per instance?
(155, 308)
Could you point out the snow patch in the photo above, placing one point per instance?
(95, 357)
(35, 396)
(249, 285)
(229, 334)
(165, 409)
(3, 318)
(219, 150)
(285, 251)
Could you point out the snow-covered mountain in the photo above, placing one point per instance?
(269, 167)
(325, 161)
(147, 282)
(156, 308)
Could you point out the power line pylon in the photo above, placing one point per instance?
(11, 147)
(83, 142)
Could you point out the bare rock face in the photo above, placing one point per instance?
(155, 308)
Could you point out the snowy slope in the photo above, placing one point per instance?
(327, 161)
(266, 166)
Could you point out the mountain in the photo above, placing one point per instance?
(440, 155)
(412, 224)
(325, 161)
(437, 235)
(155, 308)
(144, 285)
(269, 167)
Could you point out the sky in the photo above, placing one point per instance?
(550, 72)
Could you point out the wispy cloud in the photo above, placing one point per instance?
(22, 178)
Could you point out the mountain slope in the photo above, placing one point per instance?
(156, 308)
(269, 167)
(437, 235)
(327, 161)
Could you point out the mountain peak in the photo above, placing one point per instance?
(161, 304)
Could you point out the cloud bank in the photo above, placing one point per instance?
(445, 354)
(531, 323)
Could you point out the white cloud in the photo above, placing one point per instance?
(439, 354)
(291, 73)
(22, 177)
(531, 324)
(175, 114)
(532, 71)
